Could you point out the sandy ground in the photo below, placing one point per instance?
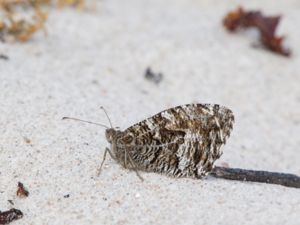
(98, 58)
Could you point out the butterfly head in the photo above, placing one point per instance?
(111, 134)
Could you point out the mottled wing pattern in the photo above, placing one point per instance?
(183, 141)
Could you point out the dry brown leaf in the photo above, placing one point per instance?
(266, 25)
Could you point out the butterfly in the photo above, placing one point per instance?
(182, 141)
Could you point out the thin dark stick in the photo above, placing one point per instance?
(285, 179)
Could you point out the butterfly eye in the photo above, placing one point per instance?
(128, 139)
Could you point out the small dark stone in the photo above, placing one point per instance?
(154, 77)
(4, 57)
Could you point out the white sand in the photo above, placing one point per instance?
(98, 58)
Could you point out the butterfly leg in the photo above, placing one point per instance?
(107, 150)
(133, 166)
(125, 160)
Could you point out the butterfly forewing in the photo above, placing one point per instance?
(183, 141)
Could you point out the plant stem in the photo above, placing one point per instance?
(285, 179)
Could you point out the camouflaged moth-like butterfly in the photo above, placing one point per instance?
(183, 141)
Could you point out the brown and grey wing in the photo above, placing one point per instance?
(182, 141)
(197, 118)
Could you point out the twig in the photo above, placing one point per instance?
(285, 179)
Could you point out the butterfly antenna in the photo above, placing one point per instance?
(85, 121)
(101, 107)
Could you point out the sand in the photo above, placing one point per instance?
(93, 59)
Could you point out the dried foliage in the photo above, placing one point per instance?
(39, 3)
(10, 215)
(266, 25)
(22, 191)
(15, 24)
(80, 4)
